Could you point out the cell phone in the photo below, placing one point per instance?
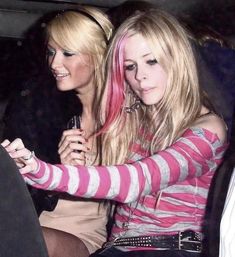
(74, 122)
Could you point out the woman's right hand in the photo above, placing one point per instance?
(72, 147)
(23, 157)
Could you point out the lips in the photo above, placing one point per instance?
(147, 90)
(59, 76)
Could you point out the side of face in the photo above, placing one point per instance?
(143, 73)
(72, 70)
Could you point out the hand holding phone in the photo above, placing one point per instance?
(71, 141)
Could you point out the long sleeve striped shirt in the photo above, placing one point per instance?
(160, 194)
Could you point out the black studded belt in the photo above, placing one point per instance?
(186, 240)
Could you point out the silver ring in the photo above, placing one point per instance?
(31, 155)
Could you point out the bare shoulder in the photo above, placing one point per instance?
(214, 124)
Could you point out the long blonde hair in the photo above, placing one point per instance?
(83, 29)
(181, 103)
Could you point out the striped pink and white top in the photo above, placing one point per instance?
(160, 194)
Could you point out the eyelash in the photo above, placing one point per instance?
(68, 54)
(132, 66)
(152, 62)
(51, 52)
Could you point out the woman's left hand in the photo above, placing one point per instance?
(23, 157)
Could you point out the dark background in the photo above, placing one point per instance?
(17, 15)
(20, 58)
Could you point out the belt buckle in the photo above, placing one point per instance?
(180, 240)
(189, 241)
(111, 243)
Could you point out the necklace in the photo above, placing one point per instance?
(126, 224)
(90, 157)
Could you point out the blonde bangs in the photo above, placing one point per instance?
(68, 31)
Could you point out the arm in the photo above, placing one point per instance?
(198, 151)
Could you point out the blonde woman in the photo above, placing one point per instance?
(159, 123)
(76, 43)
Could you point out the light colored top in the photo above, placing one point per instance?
(83, 218)
(227, 225)
(163, 193)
